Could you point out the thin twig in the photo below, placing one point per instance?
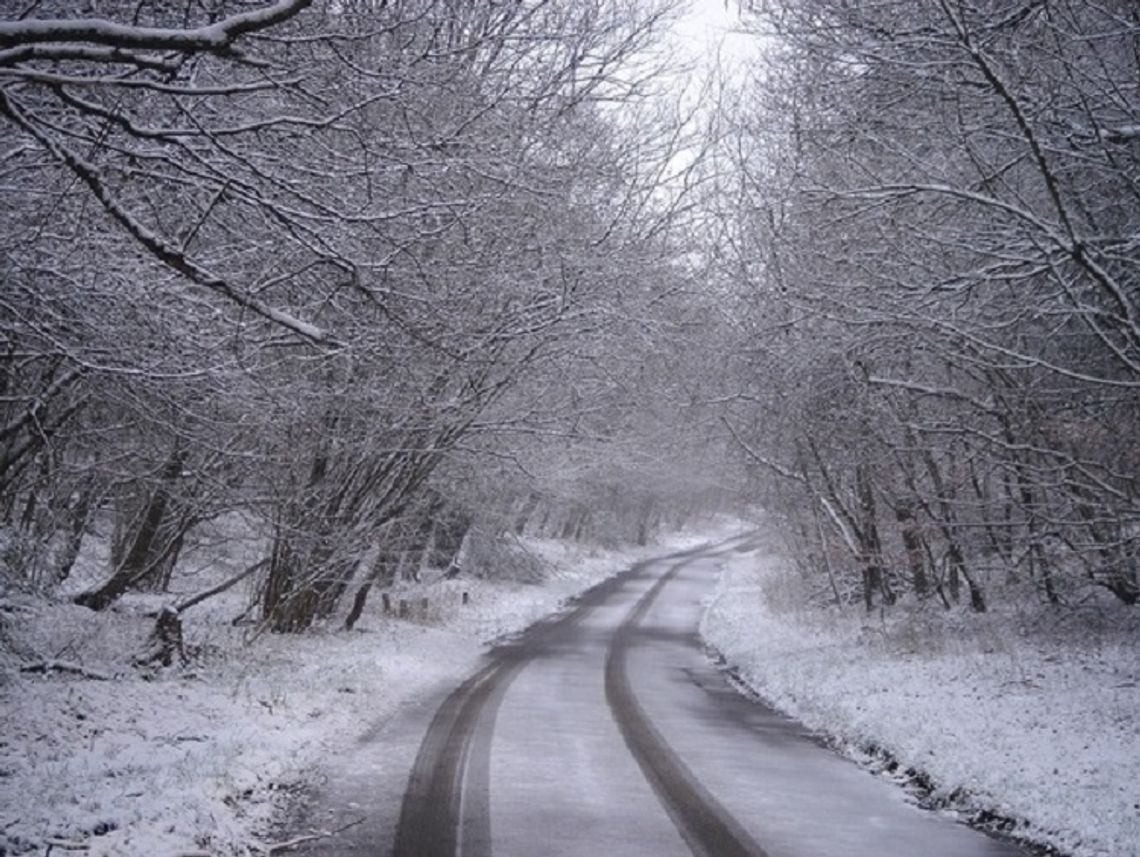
(290, 844)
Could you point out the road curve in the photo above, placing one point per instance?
(608, 731)
(445, 811)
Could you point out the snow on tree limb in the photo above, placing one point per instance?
(165, 252)
(209, 39)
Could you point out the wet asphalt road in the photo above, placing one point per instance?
(608, 732)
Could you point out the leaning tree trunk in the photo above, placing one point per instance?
(153, 544)
(447, 539)
(947, 522)
(644, 513)
(825, 553)
(383, 573)
(79, 516)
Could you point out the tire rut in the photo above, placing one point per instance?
(706, 826)
(433, 819)
(445, 810)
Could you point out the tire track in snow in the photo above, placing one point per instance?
(445, 811)
(706, 826)
(446, 807)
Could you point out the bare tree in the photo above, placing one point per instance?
(943, 193)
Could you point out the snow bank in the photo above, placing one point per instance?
(199, 760)
(1030, 717)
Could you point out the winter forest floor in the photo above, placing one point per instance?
(1029, 717)
(1024, 722)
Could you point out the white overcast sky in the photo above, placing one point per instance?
(709, 24)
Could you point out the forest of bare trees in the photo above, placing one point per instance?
(371, 274)
(937, 207)
(364, 273)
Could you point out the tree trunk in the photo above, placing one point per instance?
(80, 516)
(522, 517)
(955, 558)
(146, 556)
(874, 578)
(912, 544)
(358, 602)
(165, 640)
(384, 569)
(644, 512)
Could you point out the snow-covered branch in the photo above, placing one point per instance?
(212, 38)
(760, 459)
(163, 250)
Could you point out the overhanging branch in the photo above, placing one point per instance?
(99, 31)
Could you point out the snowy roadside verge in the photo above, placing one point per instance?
(1024, 717)
(197, 761)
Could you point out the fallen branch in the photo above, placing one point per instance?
(289, 844)
(64, 667)
(65, 844)
(189, 601)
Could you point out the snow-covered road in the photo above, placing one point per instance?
(608, 731)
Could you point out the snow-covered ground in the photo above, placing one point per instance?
(198, 760)
(1030, 716)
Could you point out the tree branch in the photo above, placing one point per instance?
(779, 469)
(213, 38)
(165, 252)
